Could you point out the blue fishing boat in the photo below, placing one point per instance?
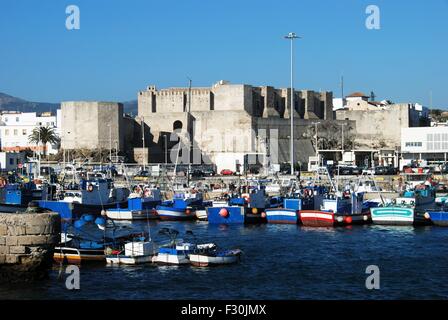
(230, 214)
(438, 218)
(92, 197)
(15, 197)
(183, 206)
(247, 208)
(308, 198)
(78, 246)
(138, 208)
(286, 215)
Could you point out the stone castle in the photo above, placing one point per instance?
(228, 109)
(222, 121)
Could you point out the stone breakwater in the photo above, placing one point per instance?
(27, 242)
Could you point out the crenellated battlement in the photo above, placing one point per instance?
(259, 101)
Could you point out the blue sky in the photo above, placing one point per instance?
(123, 46)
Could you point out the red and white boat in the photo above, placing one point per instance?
(343, 210)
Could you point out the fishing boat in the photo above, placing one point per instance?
(438, 217)
(215, 257)
(337, 210)
(82, 253)
(183, 206)
(135, 252)
(138, 208)
(227, 214)
(79, 246)
(307, 198)
(243, 208)
(176, 251)
(74, 249)
(408, 209)
(373, 194)
(92, 197)
(15, 197)
(173, 254)
(286, 215)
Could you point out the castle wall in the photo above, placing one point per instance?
(92, 125)
(226, 110)
(380, 127)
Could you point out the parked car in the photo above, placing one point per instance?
(208, 172)
(197, 173)
(368, 171)
(392, 170)
(226, 172)
(142, 175)
(343, 171)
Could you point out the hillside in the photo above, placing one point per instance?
(10, 103)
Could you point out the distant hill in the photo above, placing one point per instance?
(10, 103)
(131, 107)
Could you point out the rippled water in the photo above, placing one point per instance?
(279, 262)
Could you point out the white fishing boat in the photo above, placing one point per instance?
(180, 252)
(177, 251)
(214, 258)
(407, 209)
(134, 253)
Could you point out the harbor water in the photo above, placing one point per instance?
(279, 262)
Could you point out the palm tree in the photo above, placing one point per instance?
(44, 135)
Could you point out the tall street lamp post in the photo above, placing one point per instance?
(291, 36)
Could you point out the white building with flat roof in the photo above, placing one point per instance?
(424, 143)
(16, 127)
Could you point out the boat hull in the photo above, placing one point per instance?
(127, 215)
(439, 218)
(392, 216)
(72, 211)
(200, 260)
(174, 214)
(165, 258)
(282, 216)
(315, 218)
(128, 260)
(78, 256)
(233, 215)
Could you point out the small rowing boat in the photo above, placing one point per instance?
(215, 257)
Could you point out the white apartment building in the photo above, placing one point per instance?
(16, 127)
(428, 144)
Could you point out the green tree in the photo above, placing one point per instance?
(44, 135)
